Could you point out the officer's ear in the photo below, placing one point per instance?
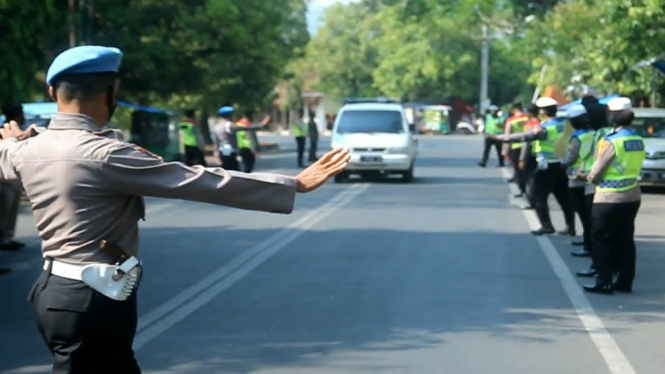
(51, 93)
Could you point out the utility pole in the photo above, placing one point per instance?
(484, 69)
(72, 24)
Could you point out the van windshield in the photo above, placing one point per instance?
(649, 127)
(371, 121)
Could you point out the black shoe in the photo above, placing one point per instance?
(622, 288)
(578, 244)
(567, 232)
(542, 231)
(11, 246)
(587, 273)
(511, 180)
(582, 253)
(521, 194)
(605, 289)
(4, 271)
(481, 164)
(527, 207)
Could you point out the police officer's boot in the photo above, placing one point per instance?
(544, 217)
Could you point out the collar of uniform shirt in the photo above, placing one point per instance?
(73, 121)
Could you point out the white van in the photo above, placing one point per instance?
(650, 124)
(380, 139)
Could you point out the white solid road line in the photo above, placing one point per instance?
(616, 360)
(191, 299)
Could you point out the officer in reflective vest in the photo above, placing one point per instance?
(299, 129)
(550, 177)
(515, 124)
(492, 127)
(600, 129)
(194, 155)
(247, 142)
(616, 171)
(579, 153)
(225, 137)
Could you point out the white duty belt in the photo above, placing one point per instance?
(114, 281)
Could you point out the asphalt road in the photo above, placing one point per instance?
(438, 276)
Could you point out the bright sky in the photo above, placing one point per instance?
(316, 9)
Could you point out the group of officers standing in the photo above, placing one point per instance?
(590, 160)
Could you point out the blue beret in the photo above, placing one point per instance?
(225, 110)
(85, 60)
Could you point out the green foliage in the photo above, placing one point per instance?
(176, 52)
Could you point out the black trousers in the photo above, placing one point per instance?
(248, 159)
(489, 143)
(613, 233)
(300, 143)
(194, 156)
(588, 232)
(579, 202)
(551, 180)
(230, 162)
(85, 331)
(519, 175)
(313, 146)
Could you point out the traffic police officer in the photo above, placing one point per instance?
(550, 177)
(579, 152)
(492, 127)
(516, 124)
(85, 299)
(616, 172)
(225, 137)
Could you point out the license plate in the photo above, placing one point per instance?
(371, 158)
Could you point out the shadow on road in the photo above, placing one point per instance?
(340, 297)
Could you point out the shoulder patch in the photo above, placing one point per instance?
(148, 153)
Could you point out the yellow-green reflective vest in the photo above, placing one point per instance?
(545, 148)
(586, 138)
(243, 136)
(598, 135)
(516, 124)
(188, 134)
(299, 129)
(624, 171)
(492, 125)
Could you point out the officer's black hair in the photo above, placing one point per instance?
(589, 99)
(518, 106)
(301, 112)
(248, 114)
(579, 122)
(550, 111)
(83, 87)
(12, 112)
(622, 118)
(533, 110)
(190, 113)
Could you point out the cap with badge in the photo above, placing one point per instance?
(225, 110)
(544, 102)
(87, 59)
(576, 111)
(619, 103)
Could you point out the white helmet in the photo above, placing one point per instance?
(544, 102)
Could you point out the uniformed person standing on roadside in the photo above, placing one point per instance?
(491, 127)
(85, 298)
(550, 177)
(225, 137)
(516, 124)
(579, 153)
(299, 130)
(597, 114)
(616, 171)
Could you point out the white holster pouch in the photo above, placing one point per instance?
(114, 281)
(226, 150)
(543, 163)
